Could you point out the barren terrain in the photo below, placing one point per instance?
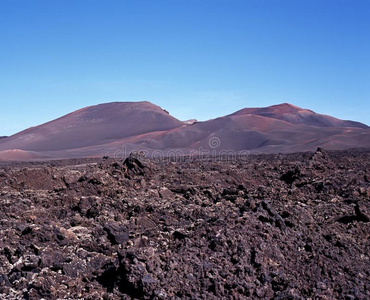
(292, 226)
(118, 128)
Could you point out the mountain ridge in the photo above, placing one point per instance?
(94, 124)
(104, 129)
(296, 115)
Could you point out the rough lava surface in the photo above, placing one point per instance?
(284, 226)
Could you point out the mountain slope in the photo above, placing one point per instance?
(255, 133)
(116, 129)
(296, 115)
(92, 126)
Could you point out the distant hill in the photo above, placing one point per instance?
(296, 115)
(115, 129)
(94, 125)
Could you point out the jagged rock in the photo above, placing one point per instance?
(291, 226)
(117, 234)
(137, 164)
(291, 175)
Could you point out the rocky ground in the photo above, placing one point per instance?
(290, 226)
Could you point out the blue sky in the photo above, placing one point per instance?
(196, 58)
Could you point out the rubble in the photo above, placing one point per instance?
(292, 226)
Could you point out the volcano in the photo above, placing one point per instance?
(296, 115)
(115, 129)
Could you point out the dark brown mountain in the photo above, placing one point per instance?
(116, 129)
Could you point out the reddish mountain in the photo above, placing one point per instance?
(296, 115)
(93, 125)
(257, 134)
(115, 129)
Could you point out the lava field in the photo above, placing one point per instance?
(284, 226)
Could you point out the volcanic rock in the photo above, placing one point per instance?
(286, 226)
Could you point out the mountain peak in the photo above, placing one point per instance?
(123, 105)
(282, 108)
(94, 125)
(295, 115)
(109, 128)
(287, 105)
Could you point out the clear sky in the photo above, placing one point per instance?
(196, 58)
